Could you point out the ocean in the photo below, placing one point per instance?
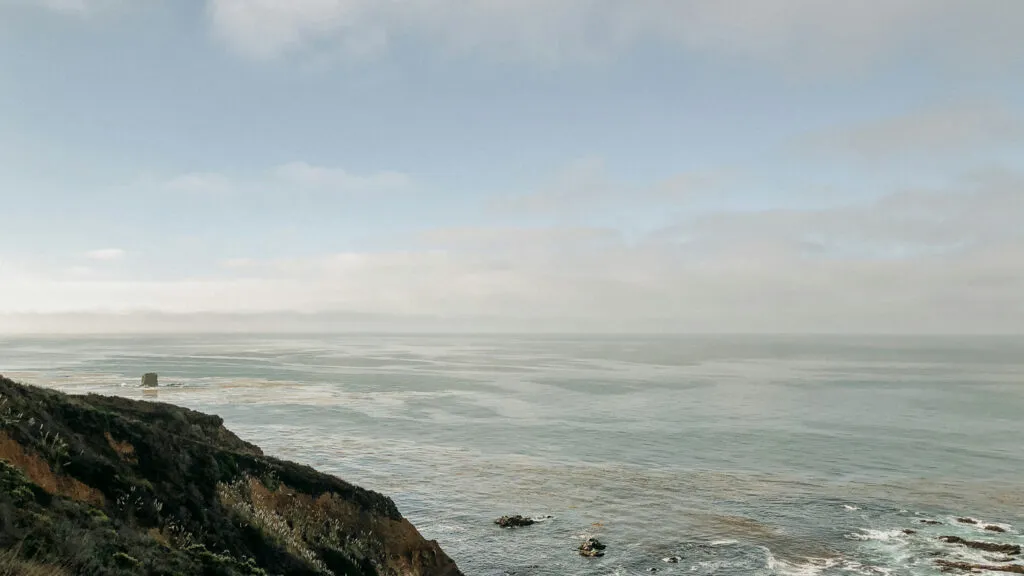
(732, 454)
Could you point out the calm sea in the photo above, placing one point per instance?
(739, 455)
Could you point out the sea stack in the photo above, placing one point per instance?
(149, 380)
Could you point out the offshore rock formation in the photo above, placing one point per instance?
(100, 485)
(592, 548)
(516, 521)
(947, 566)
(1009, 549)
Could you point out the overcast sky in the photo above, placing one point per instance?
(669, 165)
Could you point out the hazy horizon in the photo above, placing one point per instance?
(296, 324)
(692, 166)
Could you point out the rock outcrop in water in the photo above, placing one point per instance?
(592, 548)
(948, 566)
(1009, 549)
(101, 485)
(516, 521)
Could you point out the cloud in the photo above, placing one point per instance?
(978, 215)
(65, 7)
(586, 187)
(780, 31)
(200, 183)
(266, 28)
(239, 262)
(918, 261)
(287, 178)
(81, 271)
(336, 179)
(960, 129)
(106, 254)
(923, 260)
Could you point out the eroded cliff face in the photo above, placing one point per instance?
(101, 485)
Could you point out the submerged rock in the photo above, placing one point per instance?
(931, 522)
(524, 571)
(592, 548)
(948, 566)
(971, 521)
(111, 486)
(994, 528)
(671, 560)
(516, 521)
(910, 532)
(1009, 549)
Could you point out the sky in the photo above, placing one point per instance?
(693, 166)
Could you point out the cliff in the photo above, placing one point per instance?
(102, 485)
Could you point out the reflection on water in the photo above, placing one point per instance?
(739, 456)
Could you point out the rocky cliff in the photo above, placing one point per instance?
(101, 485)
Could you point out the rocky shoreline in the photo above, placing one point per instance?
(103, 485)
(1001, 557)
(106, 485)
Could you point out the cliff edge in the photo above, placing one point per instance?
(103, 485)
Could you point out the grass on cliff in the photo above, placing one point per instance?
(108, 486)
(12, 564)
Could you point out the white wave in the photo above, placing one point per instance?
(818, 566)
(866, 569)
(808, 567)
(449, 528)
(850, 508)
(878, 535)
(1007, 527)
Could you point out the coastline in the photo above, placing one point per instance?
(108, 485)
(716, 454)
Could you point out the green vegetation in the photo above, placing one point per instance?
(108, 486)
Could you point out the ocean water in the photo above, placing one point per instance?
(737, 455)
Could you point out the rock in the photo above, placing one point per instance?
(149, 380)
(652, 569)
(516, 521)
(592, 548)
(994, 528)
(910, 532)
(111, 486)
(971, 521)
(931, 522)
(948, 566)
(525, 570)
(1009, 549)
